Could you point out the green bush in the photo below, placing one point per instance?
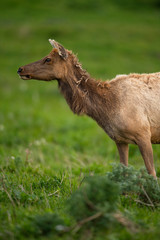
(136, 183)
(41, 225)
(97, 195)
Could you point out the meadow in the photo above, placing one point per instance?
(46, 151)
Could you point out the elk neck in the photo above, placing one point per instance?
(86, 95)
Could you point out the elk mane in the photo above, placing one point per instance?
(82, 92)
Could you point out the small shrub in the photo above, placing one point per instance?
(138, 183)
(41, 225)
(97, 195)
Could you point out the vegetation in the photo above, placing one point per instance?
(56, 175)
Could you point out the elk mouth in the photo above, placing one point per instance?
(25, 77)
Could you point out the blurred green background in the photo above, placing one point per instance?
(40, 138)
(110, 37)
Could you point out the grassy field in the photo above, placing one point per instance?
(45, 150)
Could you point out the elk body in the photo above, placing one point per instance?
(127, 107)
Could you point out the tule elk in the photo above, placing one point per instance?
(126, 107)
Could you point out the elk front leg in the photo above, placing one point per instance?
(145, 148)
(123, 152)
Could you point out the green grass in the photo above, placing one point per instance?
(45, 150)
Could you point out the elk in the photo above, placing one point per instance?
(126, 107)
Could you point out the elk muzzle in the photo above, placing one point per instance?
(22, 74)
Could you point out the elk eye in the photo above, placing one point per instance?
(47, 60)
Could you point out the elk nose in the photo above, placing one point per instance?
(20, 70)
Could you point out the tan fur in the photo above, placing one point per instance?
(127, 107)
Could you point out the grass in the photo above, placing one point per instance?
(45, 150)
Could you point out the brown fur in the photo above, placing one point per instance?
(125, 107)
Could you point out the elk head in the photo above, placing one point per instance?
(48, 68)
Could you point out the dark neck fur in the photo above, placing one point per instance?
(84, 94)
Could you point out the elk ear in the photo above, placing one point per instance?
(61, 50)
